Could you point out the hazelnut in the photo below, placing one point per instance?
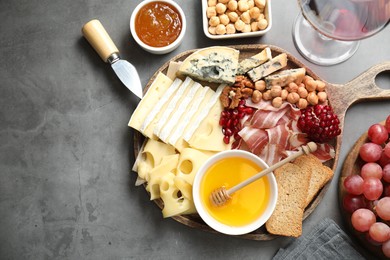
(293, 97)
(267, 95)
(224, 19)
(260, 3)
(212, 2)
(212, 30)
(292, 87)
(260, 85)
(245, 17)
(302, 92)
(223, 1)
(276, 91)
(233, 16)
(256, 96)
(254, 12)
(312, 98)
(210, 12)
(220, 8)
(230, 29)
(322, 96)
(262, 24)
(247, 28)
(320, 85)
(284, 94)
(239, 25)
(243, 6)
(311, 85)
(232, 5)
(220, 29)
(302, 103)
(277, 102)
(214, 21)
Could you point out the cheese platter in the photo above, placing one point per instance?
(339, 97)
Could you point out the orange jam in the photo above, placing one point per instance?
(246, 204)
(158, 24)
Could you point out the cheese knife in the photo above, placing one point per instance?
(98, 37)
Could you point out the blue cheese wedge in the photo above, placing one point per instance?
(213, 64)
(254, 61)
(269, 67)
(285, 77)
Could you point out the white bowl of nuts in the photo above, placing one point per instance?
(226, 19)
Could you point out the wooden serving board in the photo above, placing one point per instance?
(340, 97)
(352, 165)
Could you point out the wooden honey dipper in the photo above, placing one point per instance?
(220, 196)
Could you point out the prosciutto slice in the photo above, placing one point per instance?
(272, 133)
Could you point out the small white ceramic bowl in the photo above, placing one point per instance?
(212, 222)
(268, 17)
(158, 50)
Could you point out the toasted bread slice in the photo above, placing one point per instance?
(293, 184)
(320, 174)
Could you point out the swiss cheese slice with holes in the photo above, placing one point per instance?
(151, 157)
(213, 64)
(174, 192)
(167, 166)
(190, 161)
(156, 91)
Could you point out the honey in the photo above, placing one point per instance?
(246, 204)
(158, 24)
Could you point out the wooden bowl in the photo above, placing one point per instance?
(352, 165)
(362, 88)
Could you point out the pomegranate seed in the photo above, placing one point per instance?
(319, 123)
(226, 139)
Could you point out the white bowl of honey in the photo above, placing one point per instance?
(158, 26)
(248, 208)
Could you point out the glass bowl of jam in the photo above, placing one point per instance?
(158, 26)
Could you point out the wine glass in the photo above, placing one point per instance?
(327, 32)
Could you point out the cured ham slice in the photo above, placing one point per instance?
(272, 133)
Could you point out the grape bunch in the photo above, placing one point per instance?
(368, 193)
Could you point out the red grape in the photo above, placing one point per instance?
(370, 152)
(372, 188)
(386, 150)
(362, 219)
(387, 124)
(371, 169)
(384, 160)
(377, 133)
(383, 208)
(354, 184)
(386, 248)
(386, 190)
(380, 232)
(354, 202)
(386, 173)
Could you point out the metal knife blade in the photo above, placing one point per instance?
(127, 73)
(98, 37)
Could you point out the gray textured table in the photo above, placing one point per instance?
(66, 187)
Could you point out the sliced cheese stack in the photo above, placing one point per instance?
(185, 115)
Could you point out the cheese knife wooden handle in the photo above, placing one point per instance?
(98, 37)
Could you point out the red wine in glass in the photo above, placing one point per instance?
(327, 31)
